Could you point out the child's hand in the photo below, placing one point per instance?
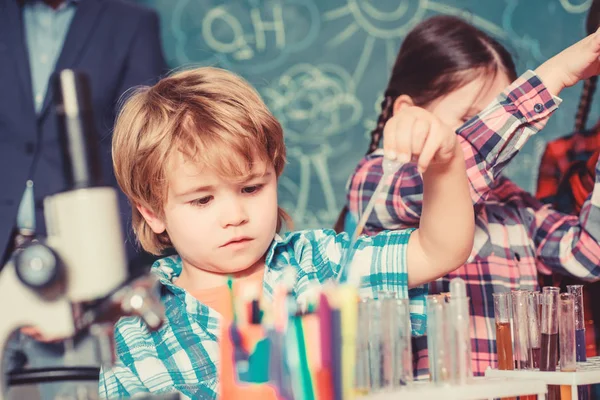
(35, 334)
(416, 134)
(575, 63)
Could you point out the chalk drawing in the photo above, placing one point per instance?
(317, 107)
(322, 67)
(246, 36)
(575, 8)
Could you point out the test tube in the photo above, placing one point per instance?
(577, 292)
(533, 315)
(395, 319)
(375, 344)
(362, 378)
(437, 339)
(566, 324)
(504, 348)
(388, 342)
(404, 357)
(566, 338)
(522, 353)
(461, 369)
(549, 328)
(397, 352)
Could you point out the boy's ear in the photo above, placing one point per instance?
(156, 224)
(402, 101)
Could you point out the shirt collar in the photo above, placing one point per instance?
(169, 268)
(22, 2)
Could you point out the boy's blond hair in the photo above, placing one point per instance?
(212, 116)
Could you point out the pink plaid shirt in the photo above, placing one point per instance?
(515, 234)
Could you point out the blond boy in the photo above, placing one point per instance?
(199, 155)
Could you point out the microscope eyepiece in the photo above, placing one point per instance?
(77, 132)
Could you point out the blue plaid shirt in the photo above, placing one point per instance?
(184, 354)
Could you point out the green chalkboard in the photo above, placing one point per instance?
(322, 65)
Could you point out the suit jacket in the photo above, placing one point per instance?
(117, 43)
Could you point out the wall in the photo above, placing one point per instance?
(322, 65)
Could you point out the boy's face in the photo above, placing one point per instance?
(216, 225)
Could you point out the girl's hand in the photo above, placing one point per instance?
(415, 134)
(575, 63)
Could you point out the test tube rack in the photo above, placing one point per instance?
(477, 388)
(588, 373)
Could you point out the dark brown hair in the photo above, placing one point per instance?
(589, 86)
(436, 58)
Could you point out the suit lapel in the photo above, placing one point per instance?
(10, 13)
(82, 26)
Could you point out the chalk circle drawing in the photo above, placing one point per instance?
(245, 36)
(317, 108)
(383, 20)
(575, 8)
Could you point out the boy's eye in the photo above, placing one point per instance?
(251, 189)
(202, 201)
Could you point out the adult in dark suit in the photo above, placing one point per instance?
(117, 43)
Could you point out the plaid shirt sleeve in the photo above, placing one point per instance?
(376, 264)
(119, 382)
(159, 364)
(498, 133)
(380, 265)
(569, 244)
(489, 141)
(126, 377)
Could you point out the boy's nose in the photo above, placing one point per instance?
(234, 214)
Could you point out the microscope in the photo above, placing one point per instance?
(75, 278)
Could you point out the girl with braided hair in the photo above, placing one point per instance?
(442, 53)
(449, 71)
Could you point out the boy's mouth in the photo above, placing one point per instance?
(237, 241)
